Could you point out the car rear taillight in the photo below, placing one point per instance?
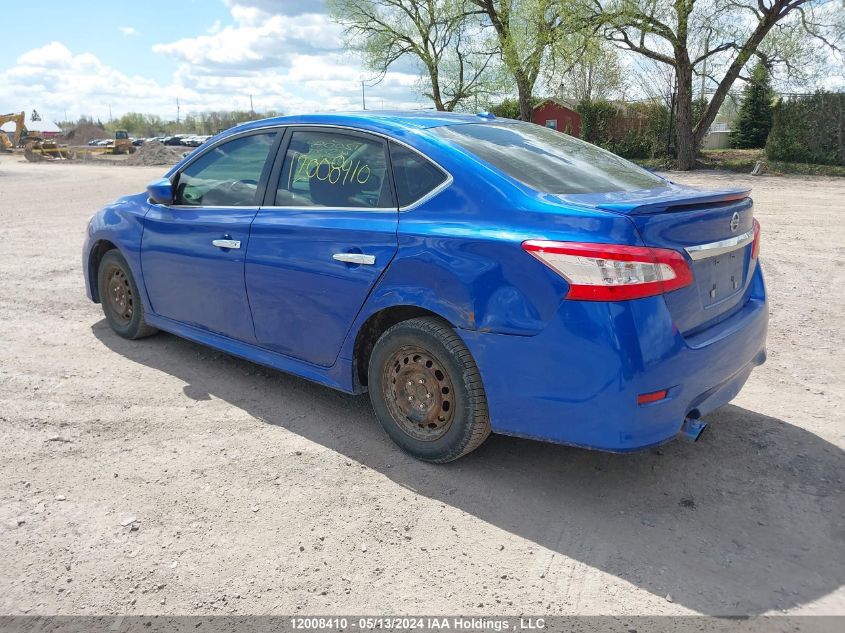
(612, 272)
(654, 396)
(755, 247)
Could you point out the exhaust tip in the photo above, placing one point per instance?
(692, 428)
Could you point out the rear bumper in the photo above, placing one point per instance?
(577, 381)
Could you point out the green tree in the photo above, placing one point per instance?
(509, 108)
(809, 129)
(506, 109)
(596, 117)
(755, 112)
(530, 34)
(436, 34)
(714, 40)
(597, 74)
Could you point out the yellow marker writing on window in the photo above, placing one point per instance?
(339, 170)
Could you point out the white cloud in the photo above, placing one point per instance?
(55, 80)
(257, 40)
(291, 66)
(128, 31)
(294, 64)
(280, 7)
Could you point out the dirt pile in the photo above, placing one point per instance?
(154, 153)
(81, 134)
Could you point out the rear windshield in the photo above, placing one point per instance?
(546, 160)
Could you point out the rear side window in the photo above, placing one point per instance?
(546, 160)
(414, 176)
(334, 170)
(227, 175)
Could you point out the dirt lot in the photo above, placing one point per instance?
(257, 492)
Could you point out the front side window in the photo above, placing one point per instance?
(414, 176)
(335, 170)
(227, 175)
(548, 161)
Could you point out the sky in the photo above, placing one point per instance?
(103, 58)
(94, 57)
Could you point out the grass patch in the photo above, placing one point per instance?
(806, 169)
(653, 163)
(739, 160)
(744, 160)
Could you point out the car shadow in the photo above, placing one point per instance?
(747, 520)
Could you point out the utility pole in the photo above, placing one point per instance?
(363, 97)
(178, 111)
(251, 109)
(110, 113)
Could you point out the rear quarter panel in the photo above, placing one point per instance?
(460, 253)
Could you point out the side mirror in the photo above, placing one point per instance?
(161, 191)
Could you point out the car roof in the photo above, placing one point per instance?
(397, 124)
(375, 120)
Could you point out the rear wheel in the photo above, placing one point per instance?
(426, 390)
(120, 298)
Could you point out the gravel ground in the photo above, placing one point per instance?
(159, 476)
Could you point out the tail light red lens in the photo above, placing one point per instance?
(655, 396)
(612, 272)
(755, 247)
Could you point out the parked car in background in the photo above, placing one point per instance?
(473, 274)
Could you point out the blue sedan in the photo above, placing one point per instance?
(474, 274)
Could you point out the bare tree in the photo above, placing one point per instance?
(596, 74)
(714, 38)
(439, 35)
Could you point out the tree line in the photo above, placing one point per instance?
(468, 51)
(141, 125)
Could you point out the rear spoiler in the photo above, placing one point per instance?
(655, 202)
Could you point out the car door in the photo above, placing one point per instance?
(192, 252)
(326, 235)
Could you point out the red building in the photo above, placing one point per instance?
(552, 113)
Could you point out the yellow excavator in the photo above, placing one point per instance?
(35, 147)
(18, 118)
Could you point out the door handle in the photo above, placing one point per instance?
(226, 243)
(355, 258)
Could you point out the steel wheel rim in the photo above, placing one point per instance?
(119, 294)
(419, 393)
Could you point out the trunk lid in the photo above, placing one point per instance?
(711, 229)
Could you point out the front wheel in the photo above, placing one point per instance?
(120, 298)
(427, 392)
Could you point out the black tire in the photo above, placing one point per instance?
(120, 298)
(427, 392)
